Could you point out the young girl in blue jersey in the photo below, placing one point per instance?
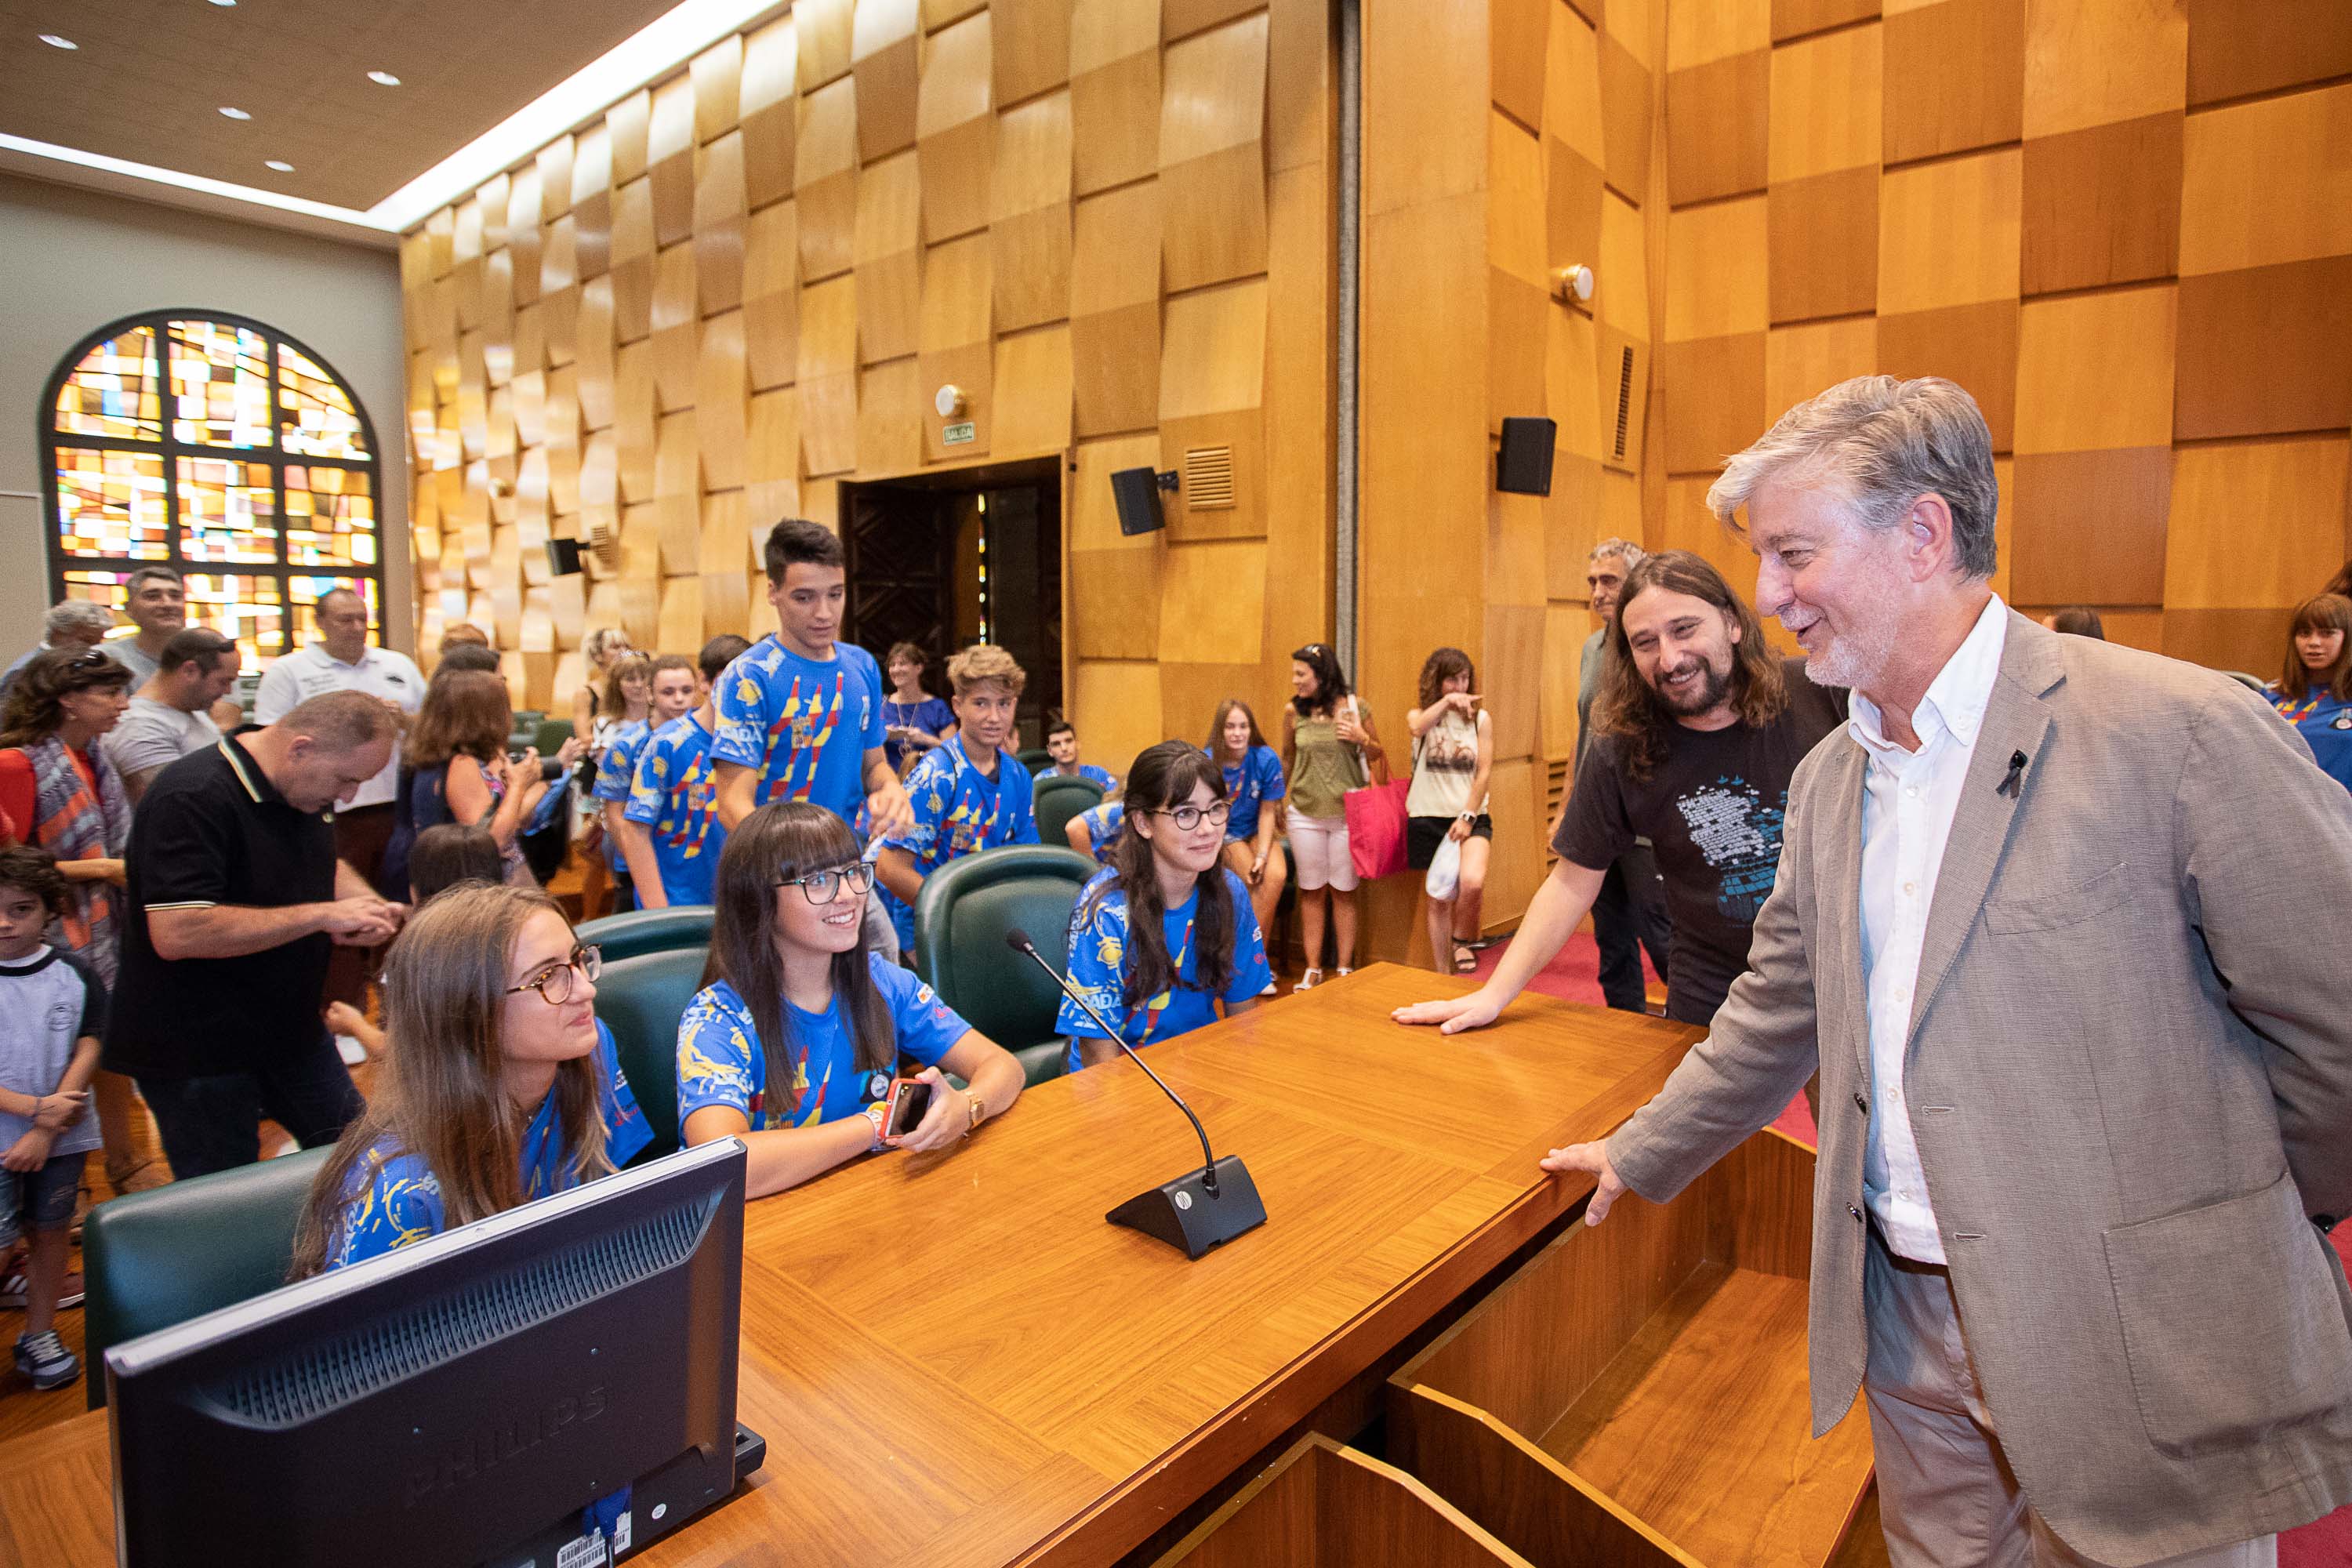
(2314, 691)
(1252, 774)
(793, 1040)
(500, 1086)
(1166, 933)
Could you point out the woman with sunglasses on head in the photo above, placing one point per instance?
(796, 1034)
(1166, 931)
(501, 1086)
(1328, 747)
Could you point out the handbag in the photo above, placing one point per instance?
(1375, 823)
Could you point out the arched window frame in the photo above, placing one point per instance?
(292, 623)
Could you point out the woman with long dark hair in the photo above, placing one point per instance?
(1453, 755)
(2314, 690)
(61, 793)
(1166, 931)
(1254, 787)
(1328, 747)
(457, 769)
(500, 1085)
(792, 1042)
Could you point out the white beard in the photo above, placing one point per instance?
(1855, 656)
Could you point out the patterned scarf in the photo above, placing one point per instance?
(72, 825)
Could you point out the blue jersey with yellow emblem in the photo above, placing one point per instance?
(392, 1197)
(805, 724)
(719, 1062)
(1103, 823)
(1098, 946)
(614, 769)
(958, 812)
(2325, 722)
(674, 798)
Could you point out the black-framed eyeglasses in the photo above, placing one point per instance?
(554, 985)
(1188, 817)
(824, 887)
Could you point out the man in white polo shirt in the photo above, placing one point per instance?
(342, 661)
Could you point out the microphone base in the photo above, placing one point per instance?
(1184, 1215)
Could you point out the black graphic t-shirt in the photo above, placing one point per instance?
(1713, 808)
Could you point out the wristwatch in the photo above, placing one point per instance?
(875, 1114)
(1469, 817)
(979, 1112)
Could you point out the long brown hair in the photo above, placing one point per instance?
(37, 697)
(775, 844)
(1627, 705)
(616, 701)
(1441, 666)
(1216, 746)
(1162, 778)
(2328, 612)
(442, 1097)
(465, 713)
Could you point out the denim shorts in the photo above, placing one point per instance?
(40, 1199)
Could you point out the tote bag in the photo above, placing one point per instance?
(1375, 821)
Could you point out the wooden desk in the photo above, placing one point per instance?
(955, 1361)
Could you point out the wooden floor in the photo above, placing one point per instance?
(1729, 1338)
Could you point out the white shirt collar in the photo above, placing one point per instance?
(1956, 699)
(318, 650)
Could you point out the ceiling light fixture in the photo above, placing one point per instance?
(280, 164)
(384, 78)
(199, 183)
(56, 43)
(234, 114)
(224, 4)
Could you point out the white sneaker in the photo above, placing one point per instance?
(348, 1046)
(1269, 989)
(44, 1358)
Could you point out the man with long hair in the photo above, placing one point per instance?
(1698, 727)
(1631, 913)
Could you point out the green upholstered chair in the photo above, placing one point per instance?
(549, 735)
(154, 1259)
(641, 999)
(960, 918)
(636, 931)
(1034, 758)
(1060, 799)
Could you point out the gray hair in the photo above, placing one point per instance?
(156, 574)
(341, 721)
(1624, 549)
(1884, 443)
(68, 615)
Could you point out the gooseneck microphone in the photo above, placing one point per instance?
(1202, 1209)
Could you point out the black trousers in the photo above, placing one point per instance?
(213, 1123)
(1629, 915)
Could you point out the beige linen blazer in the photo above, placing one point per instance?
(2129, 1073)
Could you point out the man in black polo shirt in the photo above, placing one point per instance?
(234, 900)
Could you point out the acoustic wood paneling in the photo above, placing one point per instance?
(2095, 371)
(769, 99)
(1718, 127)
(1571, 111)
(1826, 104)
(1114, 309)
(2091, 61)
(1711, 298)
(1800, 361)
(2265, 349)
(884, 52)
(1714, 391)
(2254, 524)
(1030, 213)
(2090, 526)
(825, 178)
(1947, 232)
(1114, 93)
(957, 136)
(1519, 39)
(1697, 33)
(1626, 113)
(772, 294)
(1955, 74)
(1824, 245)
(1031, 46)
(1793, 19)
(2102, 205)
(1033, 392)
(1213, 155)
(888, 250)
(825, 40)
(2237, 49)
(1974, 345)
(2268, 182)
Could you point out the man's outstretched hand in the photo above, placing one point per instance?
(1592, 1158)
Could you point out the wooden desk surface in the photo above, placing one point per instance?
(955, 1361)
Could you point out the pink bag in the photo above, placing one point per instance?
(1376, 829)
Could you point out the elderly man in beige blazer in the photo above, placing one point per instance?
(2065, 927)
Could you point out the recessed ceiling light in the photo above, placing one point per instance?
(280, 164)
(56, 43)
(234, 114)
(224, 4)
(384, 78)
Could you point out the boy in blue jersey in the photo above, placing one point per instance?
(967, 796)
(800, 714)
(1062, 745)
(1096, 831)
(670, 826)
(670, 685)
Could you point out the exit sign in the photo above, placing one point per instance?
(957, 434)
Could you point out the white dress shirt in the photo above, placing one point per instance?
(297, 678)
(1907, 801)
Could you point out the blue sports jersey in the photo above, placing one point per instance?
(675, 798)
(2326, 726)
(1103, 823)
(1099, 968)
(1256, 778)
(1102, 779)
(932, 716)
(805, 724)
(719, 1062)
(959, 812)
(392, 1197)
(615, 771)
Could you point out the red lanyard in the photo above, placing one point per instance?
(1150, 1010)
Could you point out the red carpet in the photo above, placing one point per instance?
(1574, 976)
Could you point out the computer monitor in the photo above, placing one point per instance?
(460, 1401)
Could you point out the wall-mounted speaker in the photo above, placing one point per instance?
(563, 557)
(1137, 491)
(1523, 467)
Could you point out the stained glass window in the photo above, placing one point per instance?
(217, 448)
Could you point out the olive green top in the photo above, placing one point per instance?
(1325, 770)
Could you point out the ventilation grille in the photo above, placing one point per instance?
(326, 1377)
(1209, 478)
(605, 537)
(1555, 800)
(1624, 398)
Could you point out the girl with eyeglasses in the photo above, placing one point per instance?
(1166, 931)
(799, 1028)
(502, 1085)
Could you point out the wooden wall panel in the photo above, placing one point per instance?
(2091, 61)
(1718, 127)
(1030, 213)
(1826, 104)
(1213, 155)
(1114, 93)
(1947, 232)
(772, 294)
(1033, 46)
(1800, 361)
(1697, 33)
(1711, 298)
(1955, 74)
(883, 40)
(2089, 527)
(2102, 205)
(770, 110)
(888, 254)
(1713, 393)
(2268, 182)
(2236, 50)
(958, 138)
(1974, 345)
(2255, 523)
(2095, 371)
(1114, 309)
(2265, 349)
(825, 178)
(1824, 245)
